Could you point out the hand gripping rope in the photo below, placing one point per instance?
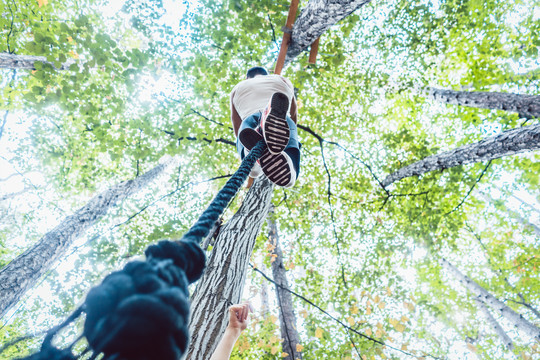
(142, 311)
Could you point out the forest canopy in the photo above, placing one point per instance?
(419, 174)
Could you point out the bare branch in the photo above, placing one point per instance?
(471, 189)
(12, 195)
(192, 138)
(348, 152)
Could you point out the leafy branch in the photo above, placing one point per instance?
(345, 326)
(19, 339)
(471, 189)
(500, 271)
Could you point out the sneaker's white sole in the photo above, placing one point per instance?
(274, 124)
(278, 168)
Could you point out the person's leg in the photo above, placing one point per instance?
(283, 168)
(247, 139)
(294, 146)
(248, 134)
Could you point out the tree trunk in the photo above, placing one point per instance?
(507, 342)
(525, 203)
(223, 280)
(498, 306)
(526, 223)
(26, 62)
(513, 214)
(287, 318)
(510, 142)
(22, 273)
(525, 105)
(527, 305)
(12, 195)
(265, 304)
(501, 273)
(317, 17)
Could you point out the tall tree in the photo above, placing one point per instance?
(23, 272)
(522, 301)
(287, 317)
(514, 214)
(265, 305)
(510, 142)
(505, 339)
(518, 321)
(524, 105)
(223, 280)
(523, 202)
(13, 61)
(349, 139)
(317, 17)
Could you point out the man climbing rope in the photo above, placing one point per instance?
(260, 105)
(238, 320)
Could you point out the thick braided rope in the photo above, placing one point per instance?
(207, 219)
(202, 226)
(142, 311)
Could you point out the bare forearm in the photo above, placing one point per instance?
(225, 346)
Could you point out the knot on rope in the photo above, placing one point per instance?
(142, 311)
(187, 255)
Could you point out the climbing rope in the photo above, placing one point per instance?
(142, 311)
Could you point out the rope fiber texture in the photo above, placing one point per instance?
(142, 311)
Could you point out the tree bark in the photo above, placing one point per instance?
(526, 138)
(525, 105)
(287, 318)
(26, 62)
(223, 280)
(317, 17)
(517, 320)
(527, 305)
(507, 342)
(265, 305)
(22, 273)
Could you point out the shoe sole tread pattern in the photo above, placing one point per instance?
(276, 168)
(276, 129)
